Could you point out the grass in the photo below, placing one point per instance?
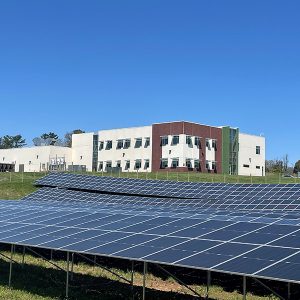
(38, 280)
(17, 185)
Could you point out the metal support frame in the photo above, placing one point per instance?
(268, 288)
(208, 284)
(132, 278)
(10, 265)
(67, 279)
(289, 291)
(72, 265)
(144, 280)
(244, 287)
(44, 258)
(23, 256)
(106, 269)
(9, 258)
(178, 280)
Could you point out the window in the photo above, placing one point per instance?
(138, 143)
(175, 162)
(214, 144)
(175, 140)
(101, 146)
(197, 164)
(163, 163)
(127, 143)
(246, 166)
(147, 142)
(120, 144)
(188, 163)
(197, 142)
(108, 145)
(207, 166)
(164, 140)
(213, 165)
(138, 164)
(118, 164)
(207, 143)
(257, 167)
(108, 164)
(189, 141)
(127, 165)
(257, 149)
(37, 157)
(100, 167)
(147, 164)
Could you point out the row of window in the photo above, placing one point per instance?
(125, 143)
(189, 163)
(248, 166)
(189, 140)
(138, 164)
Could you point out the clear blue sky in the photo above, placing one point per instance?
(107, 64)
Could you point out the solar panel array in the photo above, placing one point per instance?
(145, 225)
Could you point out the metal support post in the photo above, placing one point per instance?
(23, 256)
(72, 266)
(289, 291)
(208, 283)
(244, 287)
(132, 278)
(10, 265)
(268, 288)
(67, 279)
(144, 280)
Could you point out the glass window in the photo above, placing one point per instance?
(127, 165)
(138, 164)
(108, 165)
(175, 162)
(189, 141)
(120, 144)
(246, 166)
(197, 163)
(213, 165)
(197, 142)
(118, 164)
(175, 140)
(101, 145)
(108, 145)
(147, 142)
(138, 143)
(164, 140)
(257, 149)
(207, 143)
(147, 163)
(207, 166)
(100, 167)
(127, 144)
(257, 167)
(163, 163)
(188, 163)
(214, 144)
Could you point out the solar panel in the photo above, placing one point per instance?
(235, 242)
(206, 195)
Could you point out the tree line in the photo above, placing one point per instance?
(46, 139)
(281, 165)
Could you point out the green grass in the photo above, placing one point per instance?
(17, 185)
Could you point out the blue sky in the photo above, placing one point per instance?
(108, 64)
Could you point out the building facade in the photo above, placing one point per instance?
(172, 146)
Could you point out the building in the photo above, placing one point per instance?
(172, 146)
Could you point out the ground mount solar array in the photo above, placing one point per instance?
(244, 229)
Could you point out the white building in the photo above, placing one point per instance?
(173, 146)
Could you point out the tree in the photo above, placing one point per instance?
(274, 166)
(49, 138)
(297, 167)
(68, 136)
(8, 141)
(285, 162)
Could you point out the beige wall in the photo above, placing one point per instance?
(35, 159)
(251, 163)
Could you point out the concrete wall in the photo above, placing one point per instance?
(82, 149)
(36, 159)
(251, 163)
(132, 153)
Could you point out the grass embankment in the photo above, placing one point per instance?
(17, 185)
